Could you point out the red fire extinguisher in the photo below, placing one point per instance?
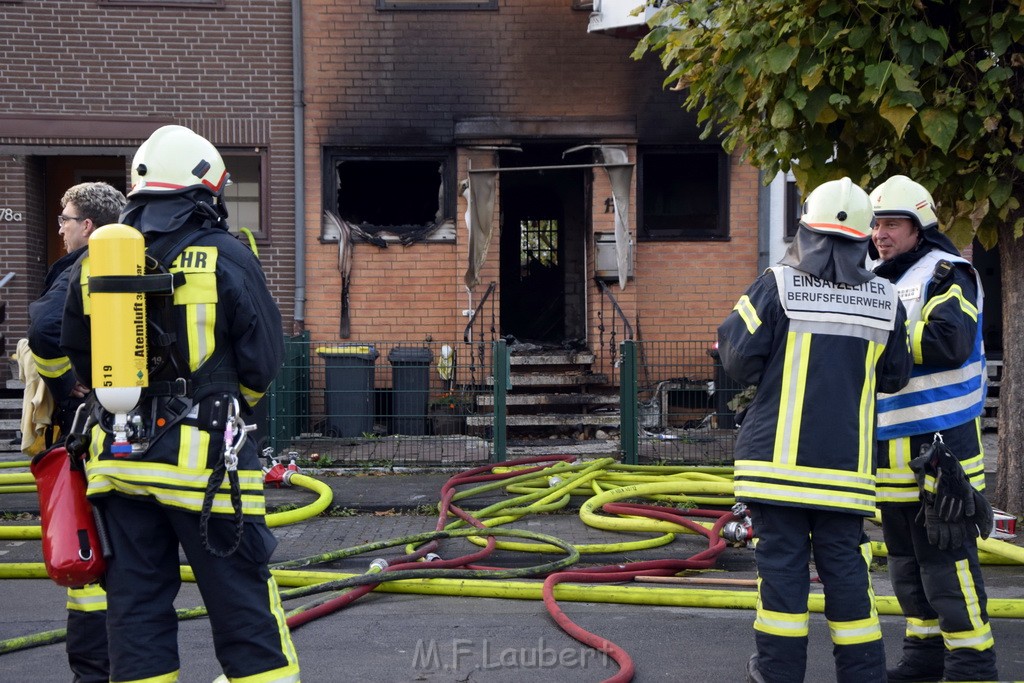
(72, 549)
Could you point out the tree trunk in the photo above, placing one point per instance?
(1010, 477)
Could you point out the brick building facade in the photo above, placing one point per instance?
(511, 84)
(401, 99)
(87, 81)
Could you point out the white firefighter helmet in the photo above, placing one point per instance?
(902, 197)
(174, 160)
(839, 208)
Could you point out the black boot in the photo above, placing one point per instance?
(753, 675)
(907, 671)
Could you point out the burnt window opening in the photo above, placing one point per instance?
(408, 198)
(683, 194)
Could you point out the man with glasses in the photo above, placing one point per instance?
(84, 207)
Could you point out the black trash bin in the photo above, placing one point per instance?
(349, 388)
(410, 374)
(726, 389)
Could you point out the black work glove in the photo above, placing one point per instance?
(921, 466)
(954, 495)
(983, 518)
(942, 534)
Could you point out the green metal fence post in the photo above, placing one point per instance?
(501, 371)
(629, 442)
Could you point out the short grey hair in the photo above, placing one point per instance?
(99, 201)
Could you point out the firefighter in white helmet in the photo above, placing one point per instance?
(184, 475)
(933, 555)
(818, 335)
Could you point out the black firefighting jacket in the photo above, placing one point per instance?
(228, 331)
(818, 353)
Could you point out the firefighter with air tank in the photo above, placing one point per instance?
(170, 318)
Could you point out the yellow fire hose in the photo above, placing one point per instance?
(274, 519)
(550, 490)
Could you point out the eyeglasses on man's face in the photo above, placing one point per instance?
(62, 219)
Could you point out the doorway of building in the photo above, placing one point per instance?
(542, 248)
(61, 172)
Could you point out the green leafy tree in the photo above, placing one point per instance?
(933, 89)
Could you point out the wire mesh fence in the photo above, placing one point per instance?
(683, 404)
(369, 403)
(343, 403)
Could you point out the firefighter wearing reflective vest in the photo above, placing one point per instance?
(178, 473)
(819, 335)
(84, 208)
(934, 568)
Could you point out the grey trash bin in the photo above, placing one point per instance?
(349, 388)
(410, 374)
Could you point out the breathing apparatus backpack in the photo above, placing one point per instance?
(137, 366)
(163, 391)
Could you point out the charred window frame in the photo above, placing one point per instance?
(399, 195)
(683, 194)
(245, 194)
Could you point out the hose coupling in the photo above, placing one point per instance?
(432, 557)
(737, 530)
(378, 565)
(554, 481)
(740, 529)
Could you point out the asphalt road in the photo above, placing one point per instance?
(395, 637)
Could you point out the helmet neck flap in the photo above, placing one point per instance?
(834, 259)
(168, 213)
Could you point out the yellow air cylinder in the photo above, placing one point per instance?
(119, 365)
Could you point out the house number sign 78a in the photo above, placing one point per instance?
(9, 215)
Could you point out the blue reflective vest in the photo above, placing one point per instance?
(936, 398)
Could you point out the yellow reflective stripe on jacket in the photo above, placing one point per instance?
(91, 598)
(922, 628)
(747, 313)
(866, 416)
(193, 445)
(173, 486)
(781, 623)
(896, 483)
(199, 297)
(954, 292)
(850, 491)
(251, 396)
(974, 468)
(855, 632)
(791, 400)
(52, 367)
(186, 500)
(83, 281)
